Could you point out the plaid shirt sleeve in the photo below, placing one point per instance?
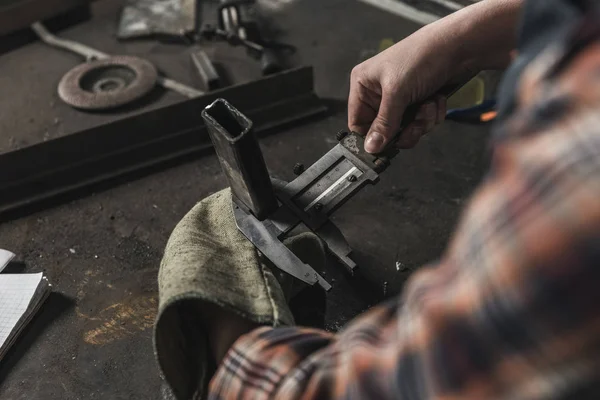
(512, 310)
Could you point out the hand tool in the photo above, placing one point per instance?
(266, 209)
(237, 26)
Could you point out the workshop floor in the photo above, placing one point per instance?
(92, 338)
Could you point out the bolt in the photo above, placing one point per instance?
(352, 178)
(380, 164)
(341, 134)
(318, 207)
(298, 169)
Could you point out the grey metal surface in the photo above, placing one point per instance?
(265, 237)
(107, 83)
(242, 161)
(141, 18)
(311, 198)
(31, 176)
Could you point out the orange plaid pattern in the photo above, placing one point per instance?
(512, 310)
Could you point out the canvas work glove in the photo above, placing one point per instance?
(207, 259)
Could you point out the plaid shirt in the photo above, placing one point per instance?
(513, 309)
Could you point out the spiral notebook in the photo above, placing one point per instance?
(21, 296)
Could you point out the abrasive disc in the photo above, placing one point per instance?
(107, 83)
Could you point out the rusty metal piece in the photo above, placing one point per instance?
(108, 83)
(240, 157)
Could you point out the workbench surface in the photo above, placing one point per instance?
(92, 338)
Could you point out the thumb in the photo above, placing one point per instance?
(386, 125)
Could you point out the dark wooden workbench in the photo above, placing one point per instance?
(92, 339)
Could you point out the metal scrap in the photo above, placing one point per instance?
(30, 179)
(141, 18)
(90, 53)
(107, 83)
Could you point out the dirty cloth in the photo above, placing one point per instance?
(208, 259)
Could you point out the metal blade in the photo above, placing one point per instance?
(264, 236)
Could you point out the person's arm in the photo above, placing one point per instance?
(477, 37)
(512, 309)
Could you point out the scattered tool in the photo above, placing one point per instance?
(73, 164)
(206, 70)
(238, 27)
(91, 54)
(266, 209)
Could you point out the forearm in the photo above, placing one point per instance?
(480, 36)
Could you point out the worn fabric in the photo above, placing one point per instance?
(208, 259)
(511, 310)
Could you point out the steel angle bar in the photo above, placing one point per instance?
(32, 176)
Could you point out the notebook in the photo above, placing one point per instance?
(21, 296)
(5, 257)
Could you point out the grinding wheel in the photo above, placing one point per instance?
(107, 83)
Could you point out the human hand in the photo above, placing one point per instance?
(447, 51)
(382, 87)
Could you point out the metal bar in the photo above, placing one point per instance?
(240, 157)
(74, 47)
(31, 176)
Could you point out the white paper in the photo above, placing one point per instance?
(16, 292)
(5, 257)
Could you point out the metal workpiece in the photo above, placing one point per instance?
(91, 54)
(266, 213)
(240, 157)
(30, 179)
